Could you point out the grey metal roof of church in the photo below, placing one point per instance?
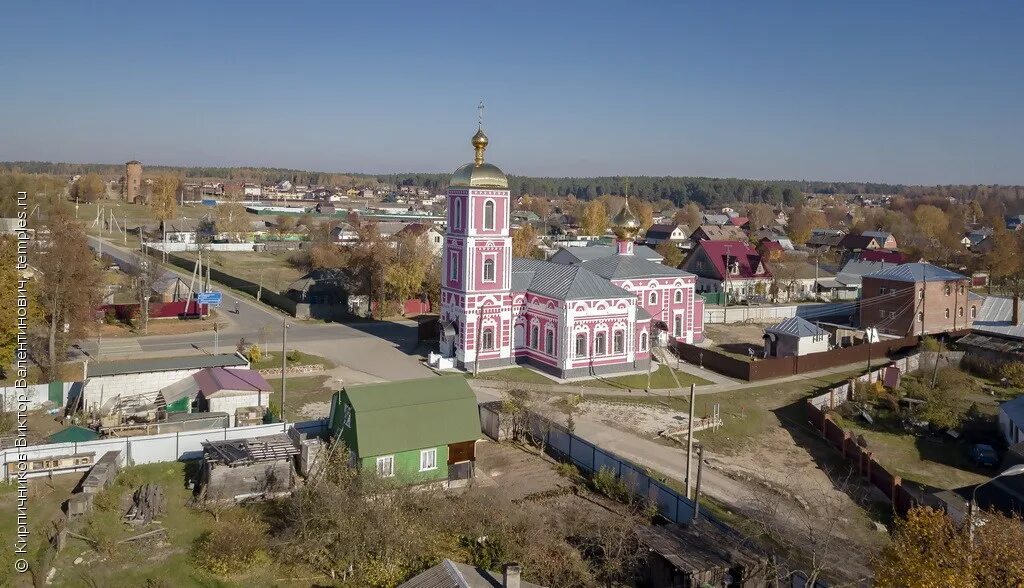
(561, 281)
(624, 267)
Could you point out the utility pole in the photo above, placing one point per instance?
(216, 338)
(689, 439)
(728, 271)
(284, 363)
(700, 469)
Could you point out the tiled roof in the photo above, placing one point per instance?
(622, 267)
(916, 272)
(796, 327)
(561, 281)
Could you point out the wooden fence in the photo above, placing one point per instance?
(778, 367)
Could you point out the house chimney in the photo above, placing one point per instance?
(511, 576)
(1016, 310)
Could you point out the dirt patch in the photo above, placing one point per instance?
(315, 410)
(167, 326)
(641, 419)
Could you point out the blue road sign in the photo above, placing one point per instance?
(213, 297)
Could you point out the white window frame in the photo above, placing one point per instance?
(679, 295)
(453, 266)
(618, 342)
(484, 346)
(386, 459)
(493, 265)
(576, 344)
(602, 338)
(432, 454)
(489, 226)
(652, 298)
(457, 213)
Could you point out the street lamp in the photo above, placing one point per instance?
(1015, 470)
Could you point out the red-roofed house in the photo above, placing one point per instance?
(729, 266)
(224, 390)
(739, 221)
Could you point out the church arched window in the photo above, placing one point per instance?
(643, 341)
(489, 214)
(488, 270)
(456, 213)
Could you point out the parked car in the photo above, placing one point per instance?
(984, 455)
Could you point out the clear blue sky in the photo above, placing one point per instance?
(912, 92)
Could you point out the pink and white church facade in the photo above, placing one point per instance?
(598, 316)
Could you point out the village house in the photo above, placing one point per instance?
(661, 233)
(429, 236)
(794, 336)
(726, 232)
(729, 266)
(916, 299)
(180, 230)
(415, 431)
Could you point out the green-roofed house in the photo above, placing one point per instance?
(73, 434)
(416, 431)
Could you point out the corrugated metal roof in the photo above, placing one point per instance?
(1014, 409)
(916, 272)
(642, 314)
(853, 272)
(995, 317)
(592, 252)
(622, 267)
(796, 327)
(562, 282)
(392, 417)
(450, 574)
(164, 364)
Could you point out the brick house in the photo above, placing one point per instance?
(915, 299)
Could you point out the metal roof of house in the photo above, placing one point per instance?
(73, 434)
(163, 364)
(392, 417)
(854, 271)
(622, 267)
(1014, 409)
(561, 281)
(995, 317)
(664, 230)
(450, 574)
(642, 314)
(213, 380)
(916, 272)
(796, 327)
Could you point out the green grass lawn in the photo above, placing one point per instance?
(939, 464)
(516, 374)
(660, 380)
(301, 391)
(270, 269)
(272, 360)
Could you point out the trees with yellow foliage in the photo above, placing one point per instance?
(929, 550)
(524, 241)
(594, 220)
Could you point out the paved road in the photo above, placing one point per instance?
(364, 351)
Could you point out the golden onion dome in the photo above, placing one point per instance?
(479, 174)
(625, 225)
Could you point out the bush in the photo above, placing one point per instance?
(930, 344)
(254, 353)
(604, 481)
(236, 543)
(1014, 373)
(567, 470)
(294, 355)
(980, 367)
